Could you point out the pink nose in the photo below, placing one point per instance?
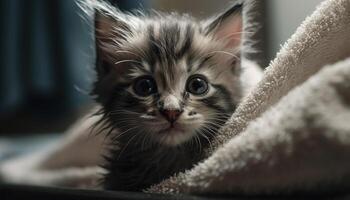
(171, 115)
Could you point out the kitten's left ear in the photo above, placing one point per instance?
(227, 26)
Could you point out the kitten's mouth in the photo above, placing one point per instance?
(174, 127)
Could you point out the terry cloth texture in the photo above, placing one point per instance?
(292, 132)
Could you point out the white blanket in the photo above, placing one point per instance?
(292, 132)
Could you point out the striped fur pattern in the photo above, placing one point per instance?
(170, 49)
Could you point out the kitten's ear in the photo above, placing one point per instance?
(110, 29)
(227, 26)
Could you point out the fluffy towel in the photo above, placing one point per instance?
(292, 132)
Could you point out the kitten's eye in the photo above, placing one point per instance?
(145, 86)
(197, 85)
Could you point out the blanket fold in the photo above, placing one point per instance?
(292, 132)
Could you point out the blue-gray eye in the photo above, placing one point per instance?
(197, 85)
(145, 86)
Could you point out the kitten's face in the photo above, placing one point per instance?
(167, 79)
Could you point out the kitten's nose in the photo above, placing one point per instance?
(171, 115)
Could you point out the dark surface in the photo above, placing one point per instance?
(18, 192)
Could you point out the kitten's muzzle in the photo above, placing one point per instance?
(171, 115)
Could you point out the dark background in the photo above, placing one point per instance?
(47, 54)
(46, 63)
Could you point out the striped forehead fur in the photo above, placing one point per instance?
(90, 7)
(139, 21)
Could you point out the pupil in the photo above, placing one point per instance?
(198, 85)
(146, 86)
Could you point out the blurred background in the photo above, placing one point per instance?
(47, 54)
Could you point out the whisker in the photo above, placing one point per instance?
(227, 53)
(124, 61)
(199, 142)
(211, 122)
(238, 33)
(123, 133)
(210, 130)
(120, 51)
(127, 111)
(218, 120)
(124, 148)
(224, 52)
(203, 135)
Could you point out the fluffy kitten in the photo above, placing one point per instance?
(166, 83)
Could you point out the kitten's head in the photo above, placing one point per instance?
(167, 78)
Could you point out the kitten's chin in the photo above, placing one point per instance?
(174, 136)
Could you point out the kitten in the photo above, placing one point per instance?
(166, 83)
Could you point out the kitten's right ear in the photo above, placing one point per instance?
(110, 30)
(110, 24)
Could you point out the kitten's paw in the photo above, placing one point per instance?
(83, 178)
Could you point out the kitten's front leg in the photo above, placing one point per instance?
(72, 162)
(76, 177)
